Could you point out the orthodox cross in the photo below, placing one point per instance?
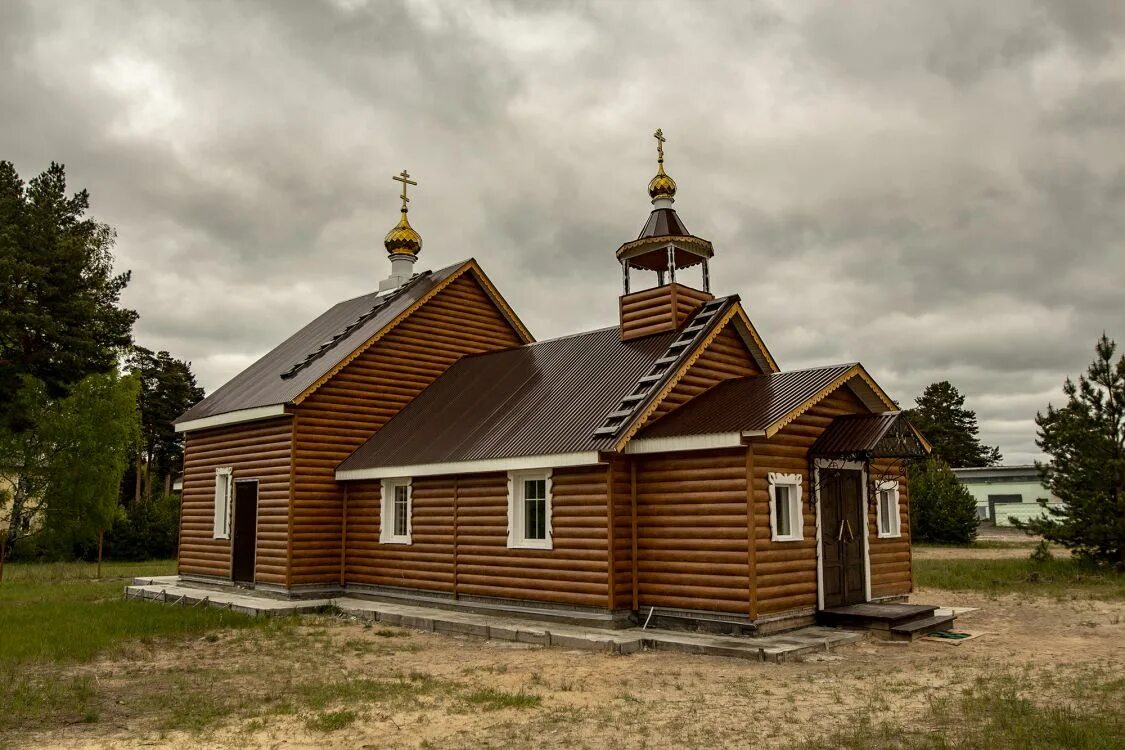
(404, 178)
(659, 136)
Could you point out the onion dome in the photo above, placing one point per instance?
(403, 239)
(661, 187)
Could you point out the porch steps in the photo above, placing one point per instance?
(893, 622)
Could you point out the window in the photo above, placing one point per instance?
(888, 511)
(786, 520)
(395, 524)
(529, 509)
(223, 484)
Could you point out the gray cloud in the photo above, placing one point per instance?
(934, 189)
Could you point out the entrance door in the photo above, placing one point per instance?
(244, 537)
(842, 517)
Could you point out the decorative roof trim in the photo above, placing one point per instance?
(469, 265)
(232, 417)
(482, 466)
(745, 319)
(647, 243)
(854, 371)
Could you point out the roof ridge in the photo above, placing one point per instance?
(810, 369)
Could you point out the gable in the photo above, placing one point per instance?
(307, 359)
(722, 358)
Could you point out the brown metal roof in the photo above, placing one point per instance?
(314, 350)
(663, 222)
(752, 403)
(886, 435)
(538, 399)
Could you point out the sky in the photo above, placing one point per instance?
(936, 190)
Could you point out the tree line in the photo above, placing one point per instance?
(86, 440)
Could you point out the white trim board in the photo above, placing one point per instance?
(516, 463)
(232, 417)
(690, 442)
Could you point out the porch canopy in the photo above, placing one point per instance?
(861, 437)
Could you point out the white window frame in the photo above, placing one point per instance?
(794, 482)
(387, 533)
(220, 524)
(516, 538)
(891, 486)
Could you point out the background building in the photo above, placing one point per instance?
(1003, 492)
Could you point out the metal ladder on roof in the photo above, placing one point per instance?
(683, 343)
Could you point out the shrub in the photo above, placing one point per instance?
(148, 530)
(941, 509)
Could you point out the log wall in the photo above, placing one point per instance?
(363, 396)
(258, 450)
(890, 558)
(724, 358)
(692, 531)
(460, 540)
(786, 571)
(662, 308)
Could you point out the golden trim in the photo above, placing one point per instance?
(757, 339)
(469, 265)
(663, 241)
(853, 371)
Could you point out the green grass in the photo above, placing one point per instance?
(1077, 709)
(331, 721)
(981, 544)
(1060, 578)
(494, 700)
(56, 617)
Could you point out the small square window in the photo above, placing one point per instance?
(888, 510)
(395, 524)
(786, 519)
(529, 509)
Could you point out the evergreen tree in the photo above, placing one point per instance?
(59, 314)
(940, 415)
(1086, 442)
(168, 389)
(941, 509)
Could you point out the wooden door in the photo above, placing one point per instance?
(244, 536)
(842, 521)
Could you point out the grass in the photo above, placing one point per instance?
(1078, 709)
(1060, 578)
(981, 544)
(56, 617)
(494, 700)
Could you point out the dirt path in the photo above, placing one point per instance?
(587, 700)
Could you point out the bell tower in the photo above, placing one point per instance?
(403, 243)
(664, 247)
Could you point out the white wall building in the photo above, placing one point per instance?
(1003, 492)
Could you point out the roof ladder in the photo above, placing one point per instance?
(676, 351)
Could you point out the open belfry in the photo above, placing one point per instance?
(418, 444)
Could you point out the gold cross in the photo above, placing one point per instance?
(404, 178)
(659, 136)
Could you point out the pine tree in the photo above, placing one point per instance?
(1085, 439)
(60, 318)
(941, 509)
(940, 415)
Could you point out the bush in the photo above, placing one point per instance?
(941, 509)
(149, 530)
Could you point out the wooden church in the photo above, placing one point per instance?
(418, 443)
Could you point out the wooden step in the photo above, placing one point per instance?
(908, 631)
(874, 616)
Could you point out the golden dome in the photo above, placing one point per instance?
(403, 239)
(661, 186)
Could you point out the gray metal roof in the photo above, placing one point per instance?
(752, 403)
(289, 368)
(543, 398)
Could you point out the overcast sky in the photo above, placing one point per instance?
(934, 189)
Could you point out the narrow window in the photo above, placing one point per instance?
(888, 510)
(529, 509)
(395, 522)
(786, 519)
(223, 484)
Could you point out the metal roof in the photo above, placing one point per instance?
(749, 404)
(543, 398)
(290, 368)
(663, 222)
(886, 435)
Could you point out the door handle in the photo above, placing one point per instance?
(840, 534)
(851, 534)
